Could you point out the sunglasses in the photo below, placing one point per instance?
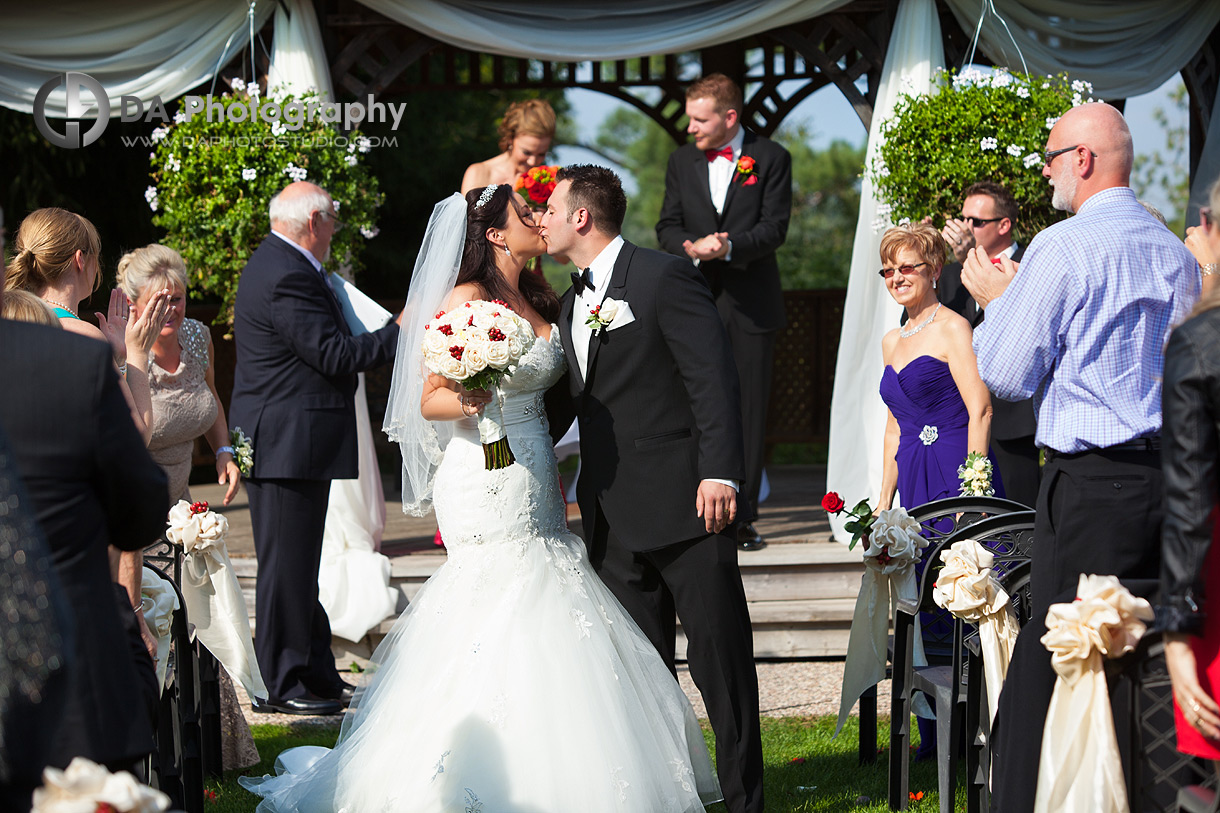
(979, 222)
(1206, 219)
(1050, 154)
(905, 270)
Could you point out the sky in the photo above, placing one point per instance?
(830, 117)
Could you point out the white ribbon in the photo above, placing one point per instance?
(159, 601)
(893, 548)
(968, 589)
(85, 785)
(1080, 767)
(214, 603)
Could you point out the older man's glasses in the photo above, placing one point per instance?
(1050, 155)
(905, 270)
(339, 224)
(1206, 219)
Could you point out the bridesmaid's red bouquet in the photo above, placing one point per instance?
(536, 185)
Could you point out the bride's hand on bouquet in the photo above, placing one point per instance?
(471, 402)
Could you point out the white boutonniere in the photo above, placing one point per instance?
(610, 314)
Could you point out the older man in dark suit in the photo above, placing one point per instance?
(293, 395)
(728, 197)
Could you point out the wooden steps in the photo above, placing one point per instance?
(801, 596)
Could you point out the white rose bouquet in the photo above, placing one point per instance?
(478, 345)
(895, 542)
(975, 475)
(86, 787)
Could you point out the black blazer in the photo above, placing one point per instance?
(660, 410)
(755, 217)
(92, 484)
(1009, 419)
(295, 382)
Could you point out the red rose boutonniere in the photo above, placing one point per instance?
(745, 171)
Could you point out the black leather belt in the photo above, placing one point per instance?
(1149, 444)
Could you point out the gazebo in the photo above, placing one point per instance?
(780, 50)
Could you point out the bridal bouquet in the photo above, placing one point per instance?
(536, 185)
(478, 345)
(87, 786)
(975, 475)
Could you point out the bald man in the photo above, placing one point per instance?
(1082, 330)
(294, 395)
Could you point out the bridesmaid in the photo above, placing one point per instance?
(526, 133)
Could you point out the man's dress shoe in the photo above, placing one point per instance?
(309, 704)
(343, 694)
(748, 538)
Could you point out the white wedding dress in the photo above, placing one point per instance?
(515, 682)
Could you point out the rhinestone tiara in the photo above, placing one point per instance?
(488, 191)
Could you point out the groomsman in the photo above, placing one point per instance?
(294, 395)
(728, 197)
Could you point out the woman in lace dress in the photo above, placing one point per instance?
(515, 681)
(184, 406)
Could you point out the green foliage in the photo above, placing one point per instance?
(640, 146)
(966, 130)
(212, 181)
(1167, 173)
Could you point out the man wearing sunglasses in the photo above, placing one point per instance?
(989, 215)
(1082, 329)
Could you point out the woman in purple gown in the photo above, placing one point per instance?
(939, 407)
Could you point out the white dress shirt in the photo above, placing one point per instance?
(600, 271)
(720, 172)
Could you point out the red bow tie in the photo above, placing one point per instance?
(712, 155)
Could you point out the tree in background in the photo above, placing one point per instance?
(1166, 172)
(825, 195)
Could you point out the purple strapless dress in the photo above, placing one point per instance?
(932, 423)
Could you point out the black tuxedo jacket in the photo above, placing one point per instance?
(92, 484)
(755, 217)
(660, 409)
(295, 382)
(1010, 419)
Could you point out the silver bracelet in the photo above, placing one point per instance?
(1208, 269)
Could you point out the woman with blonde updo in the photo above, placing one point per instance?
(181, 373)
(184, 406)
(55, 257)
(526, 133)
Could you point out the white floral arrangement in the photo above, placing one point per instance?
(243, 451)
(602, 315)
(965, 127)
(894, 542)
(195, 527)
(478, 344)
(86, 787)
(975, 475)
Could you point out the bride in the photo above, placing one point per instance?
(515, 682)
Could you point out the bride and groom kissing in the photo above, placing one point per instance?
(518, 680)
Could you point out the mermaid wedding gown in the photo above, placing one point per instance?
(515, 682)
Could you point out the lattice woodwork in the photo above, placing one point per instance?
(804, 367)
(371, 54)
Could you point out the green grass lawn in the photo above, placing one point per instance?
(806, 770)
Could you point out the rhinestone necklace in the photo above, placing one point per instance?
(60, 305)
(906, 334)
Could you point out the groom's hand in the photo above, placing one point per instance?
(716, 503)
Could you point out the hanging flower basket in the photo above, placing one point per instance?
(972, 127)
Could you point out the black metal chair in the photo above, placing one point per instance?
(946, 678)
(939, 518)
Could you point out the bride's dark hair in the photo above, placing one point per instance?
(479, 260)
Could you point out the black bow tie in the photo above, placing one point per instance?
(581, 281)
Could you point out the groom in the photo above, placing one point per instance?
(655, 392)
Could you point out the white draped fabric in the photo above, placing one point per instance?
(159, 601)
(857, 414)
(1080, 767)
(576, 32)
(132, 47)
(298, 59)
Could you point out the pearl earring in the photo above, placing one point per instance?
(506, 251)
(933, 283)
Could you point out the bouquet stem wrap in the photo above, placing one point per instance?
(496, 452)
(214, 603)
(968, 589)
(893, 548)
(1080, 767)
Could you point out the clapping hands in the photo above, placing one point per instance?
(709, 247)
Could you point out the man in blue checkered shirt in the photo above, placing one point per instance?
(1082, 329)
